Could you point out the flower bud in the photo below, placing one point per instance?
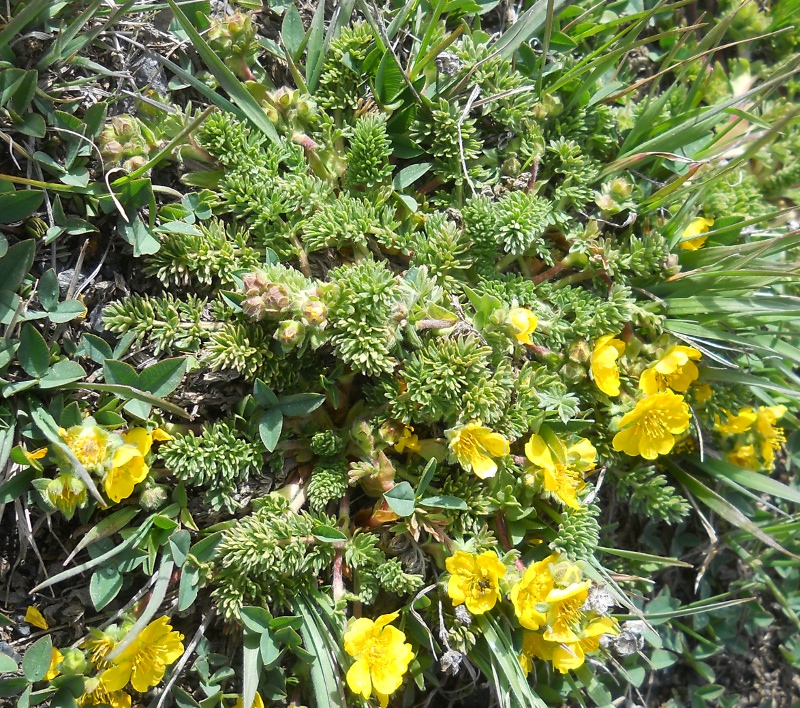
(153, 498)
(391, 431)
(74, 661)
(314, 312)
(254, 307)
(254, 282)
(66, 493)
(580, 352)
(290, 334)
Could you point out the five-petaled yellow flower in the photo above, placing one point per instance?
(562, 472)
(381, 654)
(529, 594)
(693, 235)
(144, 661)
(475, 446)
(128, 468)
(474, 580)
(97, 694)
(771, 437)
(524, 321)
(605, 371)
(674, 370)
(89, 443)
(650, 428)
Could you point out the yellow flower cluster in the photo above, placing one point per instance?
(381, 657)
(652, 427)
(550, 602)
(119, 462)
(755, 436)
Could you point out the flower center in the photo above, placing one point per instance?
(481, 584)
(652, 425)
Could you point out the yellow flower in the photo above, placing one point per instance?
(381, 654)
(56, 657)
(567, 656)
(772, 437)
(128, 468)
(408, 441)
(737, 424)
(99, 644)
(143, 440)
(530, 592)
(562, 472)
(524, 321)
(258, 702)
(89, 443)
(692, 237)
(674, 370)
(35, 618)
(744, 456)
(564, 611)
(650, 428)
(144, 661)
(604, 364)
(474, 446)
(474, 580)
(97, 694)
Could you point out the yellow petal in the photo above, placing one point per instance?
(116, 677)
(34, 617)
(627, 441)
(161, 435)
(358, 678)
(484, 466)
(538, 453)
(139, 438)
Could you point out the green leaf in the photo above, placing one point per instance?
(179, 544)
(17, 262)
(255, 619)
(408, 175)
(264, 395)
(107, 527)
(33, 354)
(48, 289)
(16, 206)
(96, 348)
(61, 373)
(7, 664)
(67, 311)
(389, 82)
(251, 667)
(238, 93)
(16, 486)
(37, 658)
(445, 501)
(269, 428)
(104, 586)
(118, 372)
(270, 651)
(140, 237)
(188, 587)
(292, 31)
(314, 47)
(400, 499)
(299, 404)
(427, 476)
(164, 377)
(328, 534)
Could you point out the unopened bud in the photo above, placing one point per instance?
(314, 312)
(73, 663)
(254, 282)
(153, 498)
(290, 333)
(580, 352)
